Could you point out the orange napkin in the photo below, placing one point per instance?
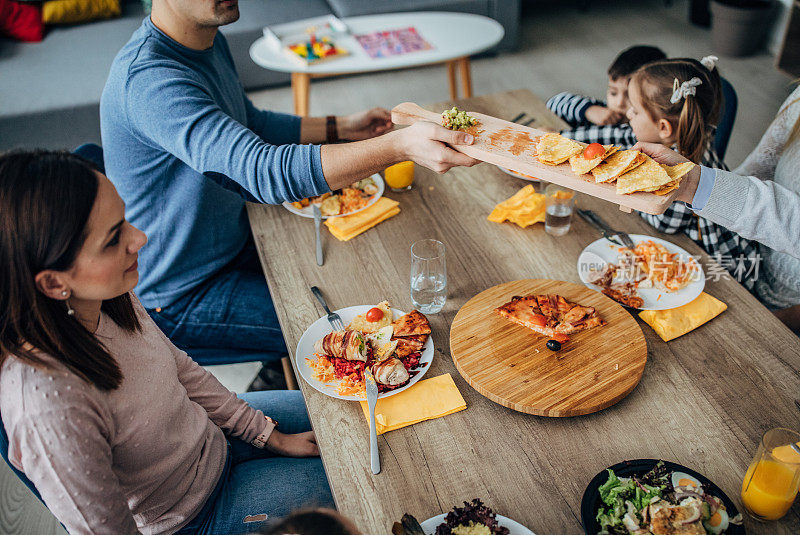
(525, 208)
(425, 400)
(349, 226)
(670, 324)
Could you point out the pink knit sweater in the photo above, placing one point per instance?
(139, 459)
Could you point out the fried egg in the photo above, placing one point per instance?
(718, 522)
(684, 480)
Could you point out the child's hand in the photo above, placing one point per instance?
(600, 115)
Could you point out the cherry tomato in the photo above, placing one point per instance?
(374, 314)
(594, 150)
(539, 320)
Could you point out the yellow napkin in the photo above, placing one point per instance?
(426, 400)
(349, 226)
(670, 324)
(525, 208)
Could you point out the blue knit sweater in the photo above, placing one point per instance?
(185, 148)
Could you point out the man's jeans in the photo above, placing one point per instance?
(232, 311)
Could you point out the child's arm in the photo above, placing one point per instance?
(620, 135)
(572, 108)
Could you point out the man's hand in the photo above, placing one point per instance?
(427, 144)
(298, 445)
(667, 156)
(364, 124)
(600, 115)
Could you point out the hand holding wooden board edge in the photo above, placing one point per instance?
(512, 146)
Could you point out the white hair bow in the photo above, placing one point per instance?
(685, 89)
(709, 62)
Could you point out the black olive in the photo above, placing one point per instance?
(553, 345)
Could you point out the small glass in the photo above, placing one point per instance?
(558, 212)
(428, 276)
(400, 176)
(771, 482)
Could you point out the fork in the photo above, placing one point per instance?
(372, 398)
(317, 223)
(333, 318)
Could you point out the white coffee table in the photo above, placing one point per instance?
(453, 36)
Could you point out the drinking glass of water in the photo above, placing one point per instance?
(428, 276)
(558, 213)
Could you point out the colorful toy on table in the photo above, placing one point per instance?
(315, 50)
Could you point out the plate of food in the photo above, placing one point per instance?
(660, 497)
(474, 518)
(655, 275)
(547, 347)
(523, 176)
(354, 198)
(397, 347)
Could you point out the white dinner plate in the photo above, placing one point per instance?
(321, 327)
(309, 212)
(602, 251)
(514, 528)
(518, 175)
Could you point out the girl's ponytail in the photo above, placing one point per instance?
(693, 116)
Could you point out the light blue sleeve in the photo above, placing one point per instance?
(271, 126)
(168, 108)
(704, 188)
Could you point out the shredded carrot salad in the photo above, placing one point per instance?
(666, 270)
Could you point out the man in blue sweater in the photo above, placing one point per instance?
(185, 148)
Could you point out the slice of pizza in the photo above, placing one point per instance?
(551, 315)
(525, 311)
(412, 324)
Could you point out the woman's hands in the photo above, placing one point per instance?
(667, 156)
(364, 124)
(427, 144)
(297, 445)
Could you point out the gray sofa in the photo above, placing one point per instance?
(50, 91)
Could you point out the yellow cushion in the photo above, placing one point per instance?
(72, 11)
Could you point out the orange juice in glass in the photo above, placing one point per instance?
(400, 176)
(772, 480)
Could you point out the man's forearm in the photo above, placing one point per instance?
(312, 130)
(344, 163)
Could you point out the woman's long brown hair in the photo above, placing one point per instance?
(45, 201)
(693, 117)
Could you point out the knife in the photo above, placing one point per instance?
(608, 233)
(317, 223)
(372, 399)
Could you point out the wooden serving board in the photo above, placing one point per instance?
(511, 365)
(513, 146)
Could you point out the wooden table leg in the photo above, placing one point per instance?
(466, 77)
(451, 78)
(288, 374)
(301, 82)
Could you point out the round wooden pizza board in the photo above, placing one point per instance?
(511, 365)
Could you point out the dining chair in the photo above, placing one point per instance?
(727, 118)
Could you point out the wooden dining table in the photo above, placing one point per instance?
(704, 400)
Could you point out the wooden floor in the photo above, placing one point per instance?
(562, 49)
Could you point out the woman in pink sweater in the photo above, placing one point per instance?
(119, 430)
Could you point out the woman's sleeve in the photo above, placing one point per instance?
(760, 210)
(66, 453)
(764, 158)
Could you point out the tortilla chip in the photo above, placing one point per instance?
(581, 166)
(360, 322)
(617, 164)
(553, 149)
(666, 188)
(677, 172)
(648, 176)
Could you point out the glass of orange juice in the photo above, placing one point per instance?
(772, 480)
(400, 176)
